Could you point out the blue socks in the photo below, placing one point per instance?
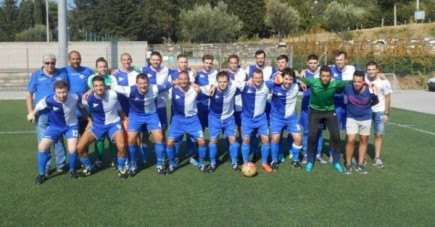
(275, 151)
(201, 155)
(42, 162)
(234, 152)
(72, 161)
(86, 162)
(144, 150)
(160, 153)
(213, 153)
(245, 153)
(132, 149)
(296, 150)
(121, 163)
(265, 150)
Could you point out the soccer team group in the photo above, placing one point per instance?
(249, 106)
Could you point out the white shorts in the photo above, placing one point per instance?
(354, 127)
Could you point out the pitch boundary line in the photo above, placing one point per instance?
(412, 128)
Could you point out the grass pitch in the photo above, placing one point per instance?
(403, 194)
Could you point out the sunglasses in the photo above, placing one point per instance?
(50, 63)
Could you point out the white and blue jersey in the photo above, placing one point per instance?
(61, 114)
(204, 78)
(254, 99)
(41, 85)
(284, 101)
(122, 83)
(268, 71)
(222, 102)
(184, 103)
(144, 103)
(104, 111)
(307, 92)
(345, 74)
(239, 76)
(158, 77)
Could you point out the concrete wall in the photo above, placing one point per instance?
(28, 55)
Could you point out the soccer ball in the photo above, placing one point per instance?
(249, 169)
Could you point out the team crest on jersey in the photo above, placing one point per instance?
(121, 79)
(279, 94)
(55, 108)
(249, 91)
(177, 97)
(58, 78)
(95, 105)
(81, 76)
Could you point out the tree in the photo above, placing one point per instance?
(282, 18)
(252, 14)
(39, 12)
(338, 17)
(206, 24)
(25, 16)
(37, 33)
(8, 16)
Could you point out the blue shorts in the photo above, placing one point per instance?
(203, 111)
(181, 125)
(216, 125)
(141, 123)
(378, 122)
(341, 117)
(55, 133)
(100, 130)
(163, 118)
(250, 124)
(303, 121)
(291, 125)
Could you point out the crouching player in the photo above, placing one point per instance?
(63, 121)
(143, 117)
(283, 116)
(106, 112)
(221, 118)
(185, 121)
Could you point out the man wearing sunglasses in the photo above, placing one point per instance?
(41, 85)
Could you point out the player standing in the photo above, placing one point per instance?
(41, 85)
(381, 111)
(322, 109)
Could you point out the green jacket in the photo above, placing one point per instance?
(322, 96)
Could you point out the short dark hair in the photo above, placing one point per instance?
(156, 53)
(372, 63)
(289, 71)
(282, 56)
(60, 84)
(142, 76)
(183, 72)
(222, 74)
(259, 52)
(340, 52)
(325, 68)
(257, 71)
(181, 56)
(233, 56)
(207, 57)
(97, 78)
(100, 59)
(359, 73)
(312, 57)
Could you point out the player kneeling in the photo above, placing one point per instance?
(63, 121)
(106, 112)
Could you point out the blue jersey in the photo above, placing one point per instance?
(61, 114)
(307, 92)
(78, 79)
(254, 99)
(359, 104)
(145, 103)
(284, 101)
(158, 77)
(173, 74)
(222, 102)
(41, 85)
(239, 76)
(204, 78)
(104, 111)
(184, 103)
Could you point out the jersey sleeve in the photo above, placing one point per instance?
(164, 87)
(42, 104)
(31, 88)
(269, 84)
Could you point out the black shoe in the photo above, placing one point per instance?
(170, 169)
(132, 172)
(97, 165)
(73, 174)
(274, 166)
(86, 172)
(123, 174)
(255, 158)
(236, 167)
(296, 164)
(203, 168)
(40, 179)
(114, 164)
(161, 171)
(212, 168)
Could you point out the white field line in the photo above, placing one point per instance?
(412, 128)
